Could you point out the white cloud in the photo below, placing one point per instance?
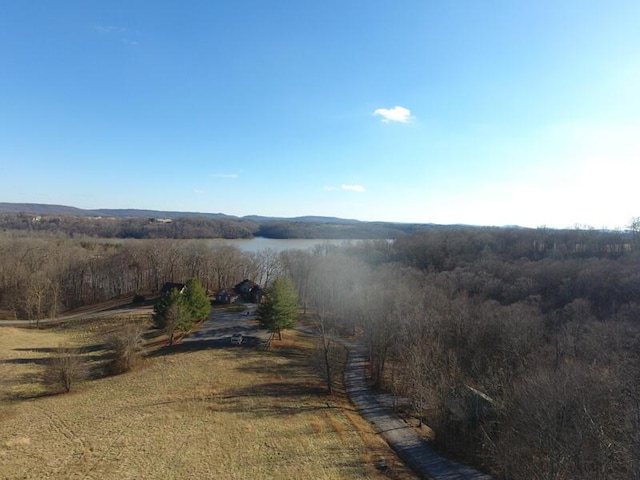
(225, 175)
(352, 188)
(109, 29)
(125, 35)
(198, 191)
(395, 114)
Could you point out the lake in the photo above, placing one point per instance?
(260, 243)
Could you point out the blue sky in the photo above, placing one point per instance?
(492, 112)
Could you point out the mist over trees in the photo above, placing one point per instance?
(521, 348)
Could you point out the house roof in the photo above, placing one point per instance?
(466, 403)
(167, 287)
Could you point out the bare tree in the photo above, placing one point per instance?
(64, 369)
(227, 265)
(326, 350)
(298, 264)
(125, 347)
(268, 266)
(634, 228)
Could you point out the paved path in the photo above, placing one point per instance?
(414, 451)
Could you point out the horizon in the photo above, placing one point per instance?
(626, 228)
(440, 113)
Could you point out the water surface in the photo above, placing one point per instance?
(279, 245)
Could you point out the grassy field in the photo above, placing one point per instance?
(231, 413)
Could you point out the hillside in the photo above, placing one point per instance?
(132, 223)
(63, 210)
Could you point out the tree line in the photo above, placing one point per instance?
(190, 227)
(139, 228)
(43, 275)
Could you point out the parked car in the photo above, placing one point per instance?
(236, 339)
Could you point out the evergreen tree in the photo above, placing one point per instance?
(197, 301)
(279, 310)
(171, 313)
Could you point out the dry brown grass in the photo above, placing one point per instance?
(22, 356)
(224, 414)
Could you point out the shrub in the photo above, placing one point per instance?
(124, 350)
(64, 369)
(138, 298)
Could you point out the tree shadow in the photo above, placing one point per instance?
(37, 350)
(78, 350)
(248, 343)
(27, 361)
(93, 358)
(234, 404)
(280, 389)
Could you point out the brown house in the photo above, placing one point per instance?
(245, 291)
(226, 296)
(249, 291)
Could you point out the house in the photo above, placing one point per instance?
(466, 404)
(226, 296)
(249, 291)
(245, 291)
(167, 287)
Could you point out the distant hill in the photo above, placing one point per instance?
(305, 219)
(45, 209)
(134, 223)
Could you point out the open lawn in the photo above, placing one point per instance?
(228, 413)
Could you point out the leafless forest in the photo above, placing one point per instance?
(44, 275)
(519, 347)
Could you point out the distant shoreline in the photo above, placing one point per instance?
(106, 223)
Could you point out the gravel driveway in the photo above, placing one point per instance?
(216, 331)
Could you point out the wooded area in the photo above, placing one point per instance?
(132, 227)
(44, 275)
(193, 226)
(519, 347)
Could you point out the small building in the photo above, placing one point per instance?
(226, 296)
(167, 287)
(249, 291)
(466, 404)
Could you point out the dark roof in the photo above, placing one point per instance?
(167, 287)
(227, 291)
